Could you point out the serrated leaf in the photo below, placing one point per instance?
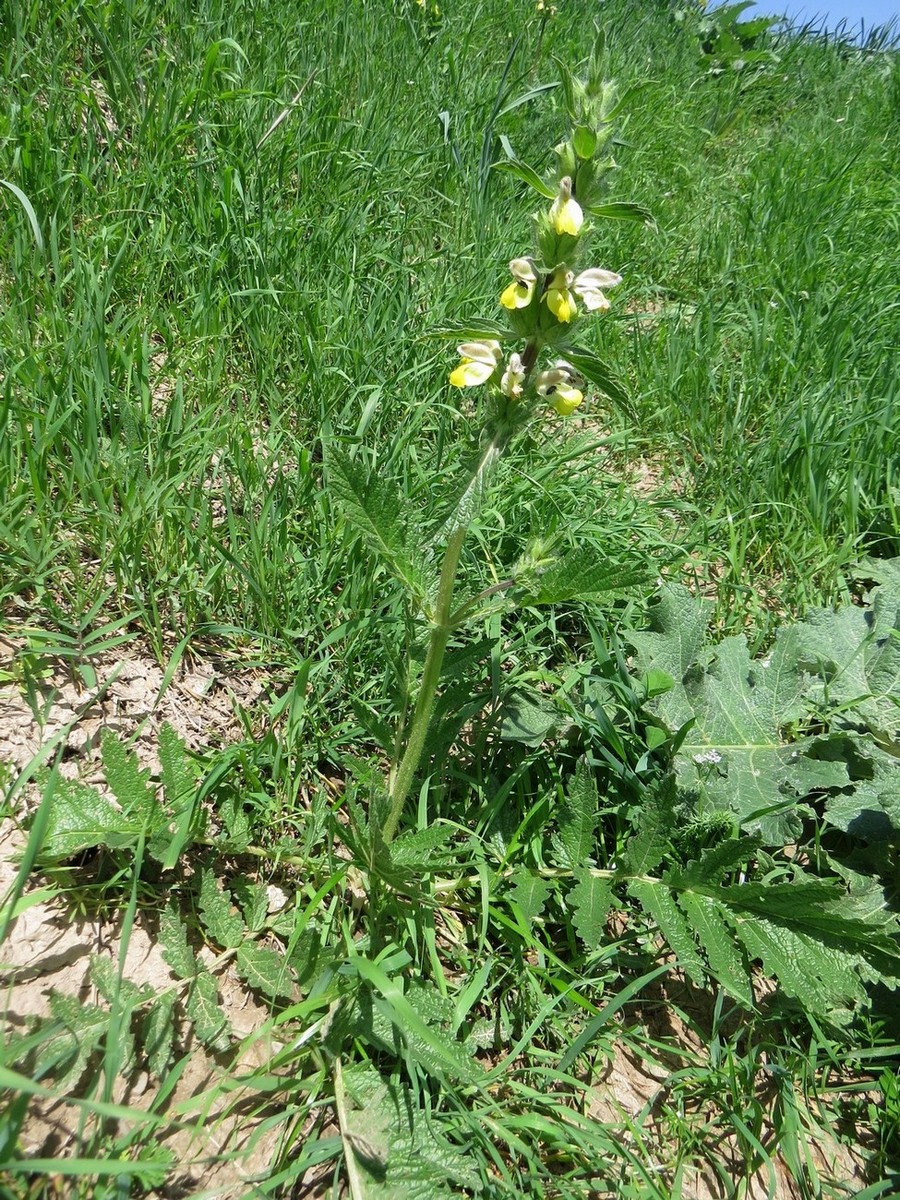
(656, 900)
(173, 940)
(254, 901)
(715, 862)
(75, 1030)
(158, 1033)
(734, 755)
(589, 901)
(821, 977)
(529, 892)
(717, 940)
(855, 652)
(129, 784)
(645, 849)
(585, 573)
(383, 517)
(575, 841)
(437, 1051)
(265, 971)
(80, 817)
(105, 977)
(180, 790)
(207, 1017)
(222, 923)
(418, 848)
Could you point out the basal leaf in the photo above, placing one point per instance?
(265, 971)
(129, 784)
(80, 817)
(822, 977)
(222, 923)
(590, 901)
(656, 900)
(175, 948)
(529, 892)
(158, 1033)
(717, 941)
(204, 1010)
(575, 841)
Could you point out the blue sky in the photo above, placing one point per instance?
(872, 12)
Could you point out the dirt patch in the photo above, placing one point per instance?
(50, 706)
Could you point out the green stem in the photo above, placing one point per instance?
(431, 674)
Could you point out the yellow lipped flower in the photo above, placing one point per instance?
(565, 211)
(589, 284)
(479, 362)
(521, 290)
(558, 387)
(559, 296)
(513, 378)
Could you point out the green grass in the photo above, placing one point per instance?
(254, 218)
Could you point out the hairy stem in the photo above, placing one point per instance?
(440, 635)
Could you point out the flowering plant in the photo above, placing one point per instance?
(550, 293)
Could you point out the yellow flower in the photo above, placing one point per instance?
(520, 291)
(559, 296)
(479, 362)
(513, 378)
(558, 386)
(588, 286)
(565, 211)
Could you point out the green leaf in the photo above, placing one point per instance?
(855, 653)
(622, 210)
(28, 208)
(589, 901)
(129, 784)
(584, 140)
(644, 851)
(254, 901)
(734, 755)
(203, 1008)
(175, 949)
(575, 841)
(80, 818)
(180, 788)
(528, 718)
(493, 330)
(656, 900)
(514, 166)
(529, 892)
(585, 573)
(158, 1033)
(222, 923)
(601, 374)
(382, 516)
(74, 1032)
(265, 971)
(820, 976)
(709, 928)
